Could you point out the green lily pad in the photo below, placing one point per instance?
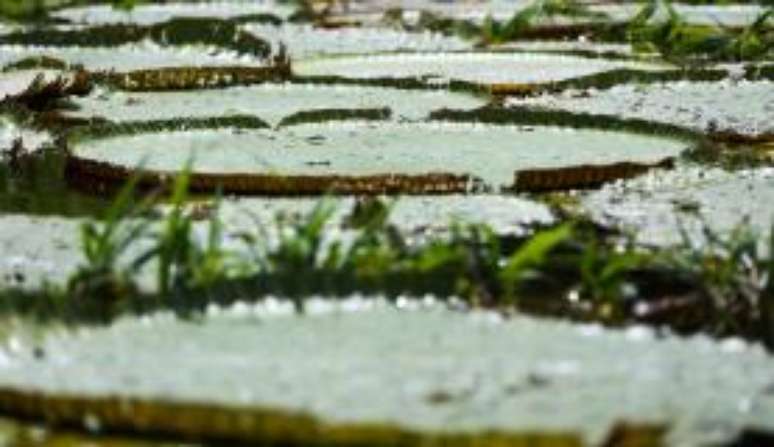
(271, 102)
(358, 156)
(128, 57)
(150, 14)
(728, 106)
(40, 250)
(728, 15)
(659, 206)
(468, 373)
(305, 41)
(482, 68)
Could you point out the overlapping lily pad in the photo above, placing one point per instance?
(369, 157)
(480, 68)
(149, 14)
(41, 250)
(723, 107)
(728, 15)
(271, 102)
(331, 376)
(305, 41)
(661, 208)
(142, 55)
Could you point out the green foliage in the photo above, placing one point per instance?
(729, 278)
(24, 10)
(531, 255)
(731, 272)
(186, 263)
(102, 284)
(176, 31)
(605, 276)
(677, 40)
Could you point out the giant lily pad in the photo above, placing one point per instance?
(270, 102)
(483, 68)
(129, 57)
(331, 375)
(363, 157)
(306, 41)
(661, 208)
(40, 250)
(149, 14)
(738, 107)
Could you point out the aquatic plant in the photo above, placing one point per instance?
(677, 40)
(102, 284)
(732, 278)
(493, 32)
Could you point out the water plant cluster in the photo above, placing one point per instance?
(674, 37)
(574, 269)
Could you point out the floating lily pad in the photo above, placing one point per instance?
(569, 46)
(270, 102)
(47, 249)
(129, 57)
(30, 260)
(739, 107)
(149, 14)
(336, 367)
(484, 68)
(655, 206)
(728, 15)
(306, 41)
(184, 31)
(413, 215)
(368, 157)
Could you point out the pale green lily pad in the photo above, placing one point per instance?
(557, 46)
(486, 68)
(729, 15)
(362, 361)
(413, 215)
(303, 41)
(39, 250)
(145, 55)
(149, 14)
(743, 107)
(656, 207)
(270, 102)
(491, 153)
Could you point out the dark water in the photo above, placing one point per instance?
(37, 186)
